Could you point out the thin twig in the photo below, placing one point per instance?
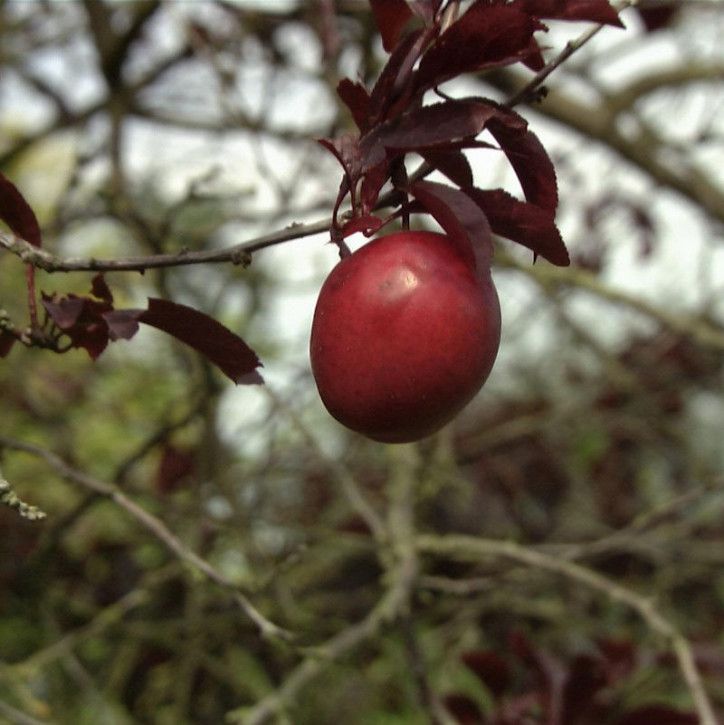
(156, 527)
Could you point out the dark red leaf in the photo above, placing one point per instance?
(491, 668)
(372, 182)
(436, 125)
(122, 324)
(347, 151)
(531, 163)
(367, 224)
(391, 16)
(176, 466)
(81, 319)
(661, 16)
(452, 164)
(64, 310)
(205, 335)
(100, 289)
(392, 83)
(424, 9)
(585, 679)
(486, 36)
(7, 341)
(657, 715)
(524, 223)
(464, 709)
(596, 11)
(17, 214)
(356, 97)
(461, 218)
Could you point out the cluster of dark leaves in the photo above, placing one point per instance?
(426, 51)
(528, 684)
(91, 321)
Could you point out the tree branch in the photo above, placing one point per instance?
(153, 525)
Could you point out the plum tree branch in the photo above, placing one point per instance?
(155, 526)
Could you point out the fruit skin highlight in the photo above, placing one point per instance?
(405, 333)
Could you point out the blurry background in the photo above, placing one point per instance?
(135, 128)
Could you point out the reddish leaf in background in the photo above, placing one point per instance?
(524, 223)
(6, 343)
(17, 214)
(205, 335)
(659, 714)
(461, 218)
(531, 163)
(391, 16)
(596, 11)
(356, 97)
(484, 37)
(464, 709)
(491, 669)
(660, 16)
(176, 465)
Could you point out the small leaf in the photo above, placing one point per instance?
(81, 319)
(122, 324)
(356, 97)
(391, 16)
(491, 669)
(464, 709)
(17, 214)
(453, 164)
(659, 714)
(524, 223)
(436, 125)
(367, 224)
(100, 289)
(7, 341)
(392, 84)
(461, 218)
(174, 468)
(597, 11)
(531, 163)
(205, 335)
(486, 36)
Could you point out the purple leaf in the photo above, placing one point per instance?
(391, 16)
(461, 218)
(17, 214)
(205, 335)
(522, 222)
(452, 164)
(100, 289)
(367, 224)
(356, 97)
(659, 714)
(596, 11)
(81, 319)
(7, 341)
(464, 709)
(491, 669)
(392, 85)
(436, 125)
(531, 163)
(122, 324)
(485, 36)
